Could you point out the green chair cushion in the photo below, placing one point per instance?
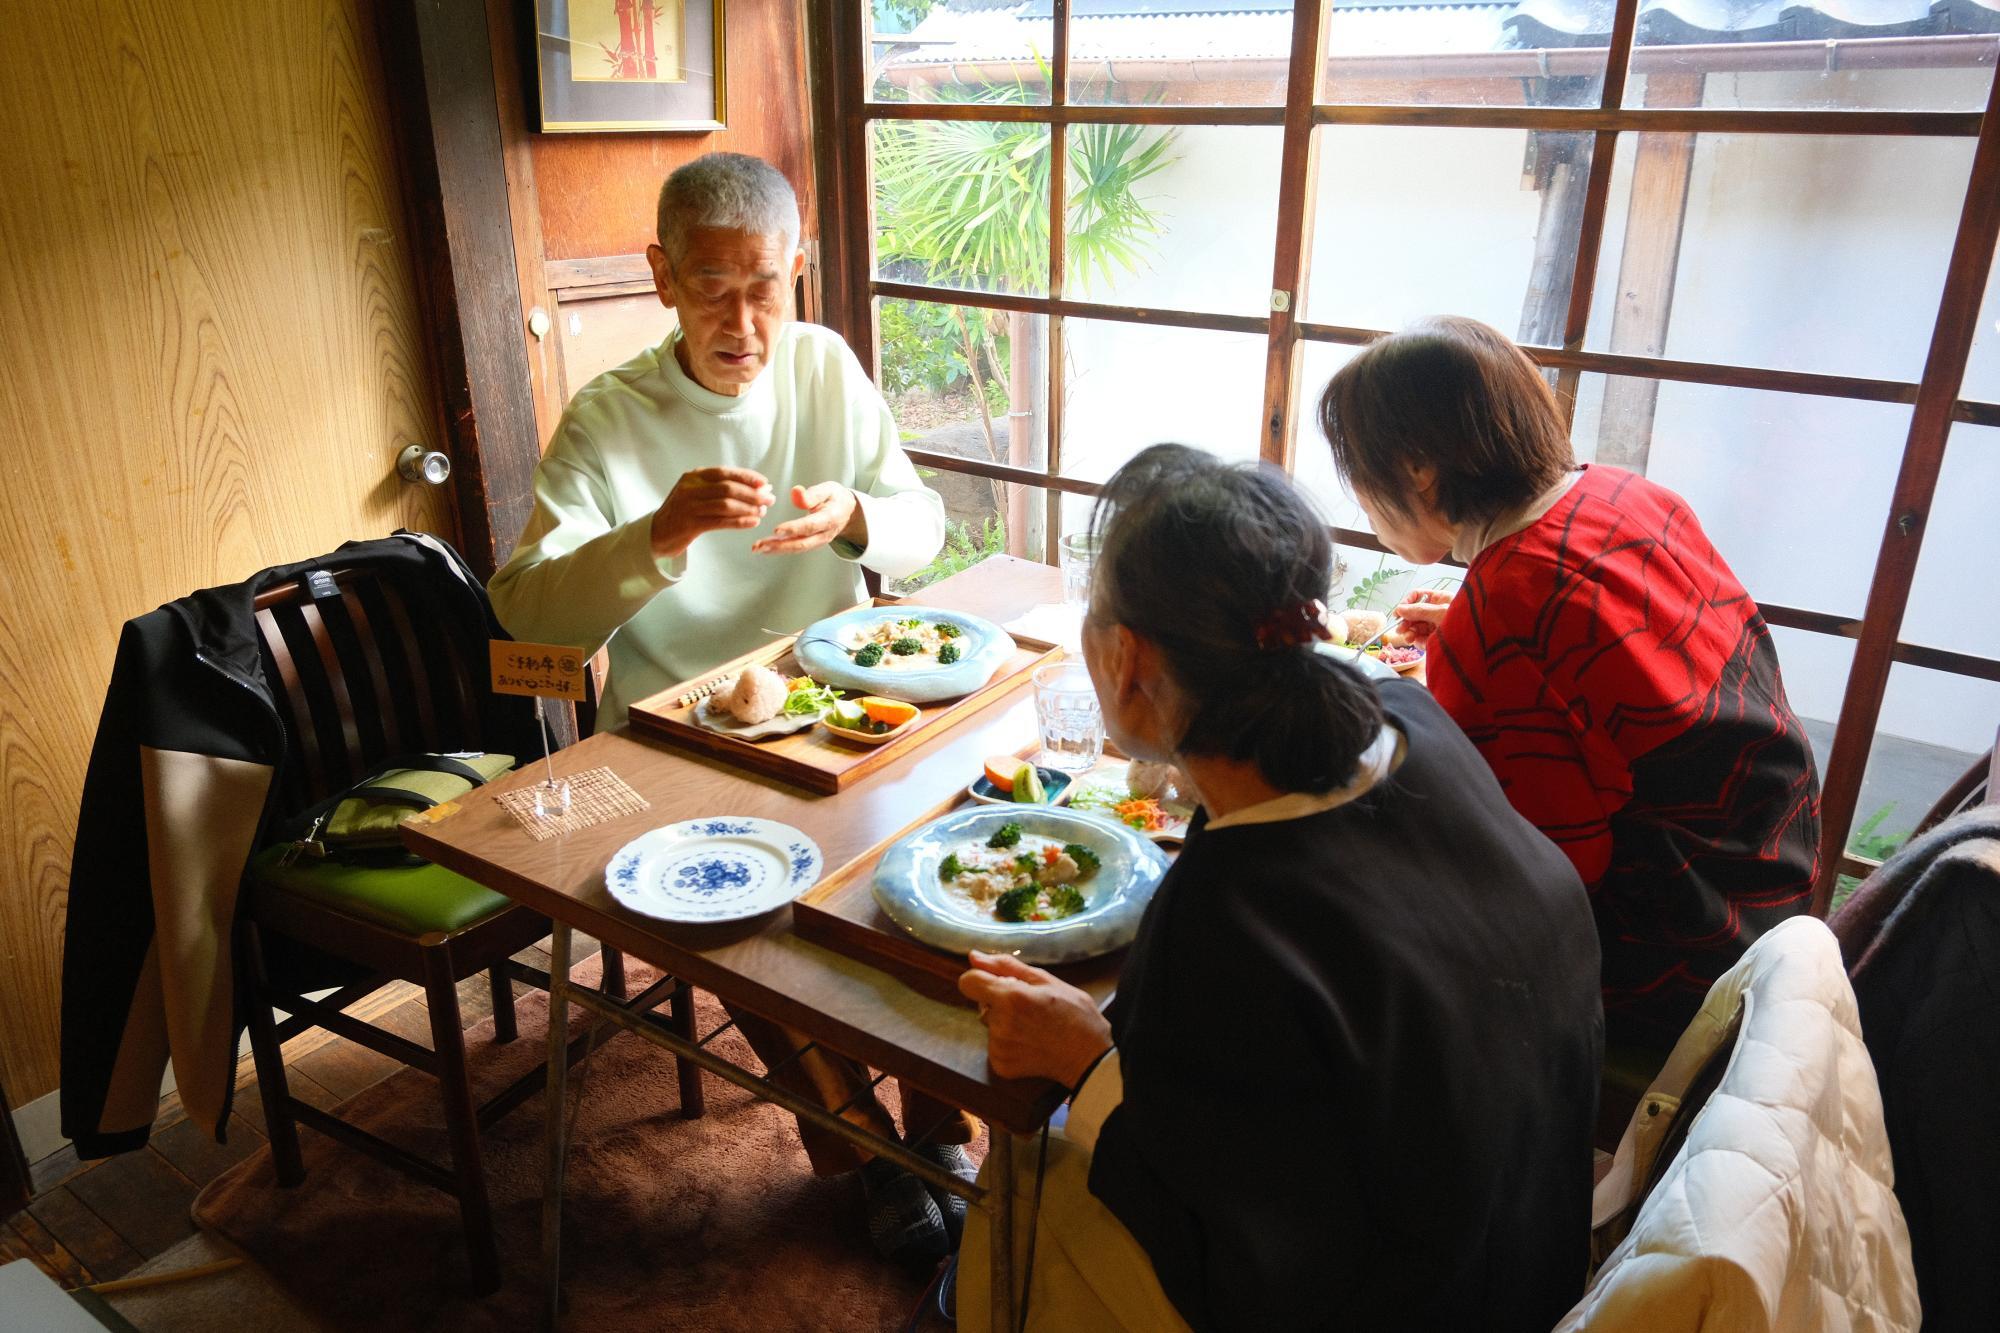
(416, 899)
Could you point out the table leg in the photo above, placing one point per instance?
(1000, 1191)
(555, 1130)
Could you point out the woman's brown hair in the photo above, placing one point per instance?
(1457, 395)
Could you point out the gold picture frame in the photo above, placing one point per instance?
(610, 66)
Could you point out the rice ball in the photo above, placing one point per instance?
(759, 694)
(1145, 778)
(1364, 625)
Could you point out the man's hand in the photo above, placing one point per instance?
(1422, 612)
(832, 512)
(709, 499)
(1036, 1025)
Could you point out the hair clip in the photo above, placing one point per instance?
(1293, 626)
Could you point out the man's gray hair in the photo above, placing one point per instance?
(733, 191)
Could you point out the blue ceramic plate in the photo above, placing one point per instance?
(719, 869)
(823, 652)
(910, 890)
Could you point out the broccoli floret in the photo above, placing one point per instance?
(869, 656)
(906, 647)
(1064, 900)
(947, 654)
(946, 630)
(1027, 863)
(1015, 904)
(911, 623)
(951, 868)
(1087, 861)
(1007, 835)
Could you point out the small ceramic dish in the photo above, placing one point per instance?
(900, 715)
(1054, 781)
(710, 714)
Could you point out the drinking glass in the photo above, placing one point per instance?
(1079, 557)
(1071, 722)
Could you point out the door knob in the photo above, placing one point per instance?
(417, 464)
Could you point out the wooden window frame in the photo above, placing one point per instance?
(843, 113)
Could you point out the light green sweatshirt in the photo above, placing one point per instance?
(584, 572)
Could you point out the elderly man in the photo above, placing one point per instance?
(650, 533)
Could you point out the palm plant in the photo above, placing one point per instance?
(965, 203)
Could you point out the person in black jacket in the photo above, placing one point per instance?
(1350, 1075)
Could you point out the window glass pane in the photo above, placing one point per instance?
(1131, 385)
(1793, 490)
(1796, 252)
(1933, 727)
(1982, 371)
(982, 519)
(1214, 54)
(1464, 55)
(958, 51)
(972, 384)
(1762, 60)
(1182, 219)
(1425, 221)
(1952, 604)
(962, 204)
(1312, 456)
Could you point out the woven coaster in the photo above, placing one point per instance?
(595, 796)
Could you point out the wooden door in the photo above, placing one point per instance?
(214, 354)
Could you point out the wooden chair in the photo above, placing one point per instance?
(373, 671)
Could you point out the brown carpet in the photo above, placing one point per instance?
(709, 1224)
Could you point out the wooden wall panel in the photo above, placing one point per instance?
(216, 358)
(597, 191)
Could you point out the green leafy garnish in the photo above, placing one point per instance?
(1065, 900)
(869, 656)
(813, 698)
(906, 647)
(1007, 835)
(947, 654)
(1087, 862)
(946, 630)
(951, 868)
(1015, 904)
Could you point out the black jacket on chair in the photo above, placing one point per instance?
(187, 771)
(1922, 943)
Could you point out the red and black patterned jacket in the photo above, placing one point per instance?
(1623, 687)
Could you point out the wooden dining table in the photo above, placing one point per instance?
(762, 965)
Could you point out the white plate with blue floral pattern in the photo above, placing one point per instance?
(725, 868)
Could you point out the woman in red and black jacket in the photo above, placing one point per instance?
(1601, 656)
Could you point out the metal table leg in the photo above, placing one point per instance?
(555, 1130)
(1000, 1198)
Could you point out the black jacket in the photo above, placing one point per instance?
(181, 787)
(1922, 944)
(1360, 1053)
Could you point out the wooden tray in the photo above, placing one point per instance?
(813, 758)
(841, 914)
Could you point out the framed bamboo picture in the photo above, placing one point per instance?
(609, 65)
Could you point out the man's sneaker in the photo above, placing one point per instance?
(904, 1223)
(952, 1206)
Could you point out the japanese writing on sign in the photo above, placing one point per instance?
(551, 670)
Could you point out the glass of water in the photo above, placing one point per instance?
(1079, 557)
(1071, 722)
